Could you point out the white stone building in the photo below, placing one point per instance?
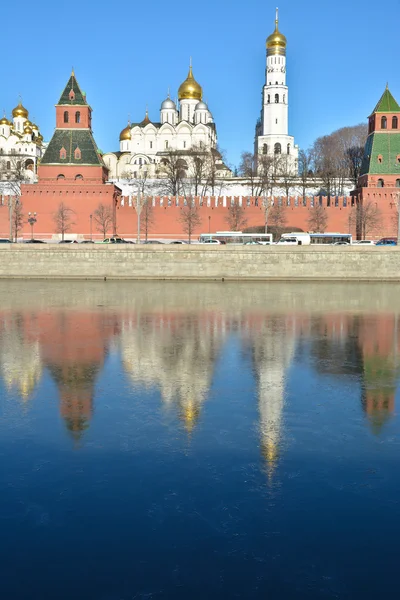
(272, 137)
(181, 127)
(21, 145)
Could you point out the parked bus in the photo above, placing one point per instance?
(300, 238)
(236, 237)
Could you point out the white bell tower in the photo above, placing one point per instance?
(272, 134)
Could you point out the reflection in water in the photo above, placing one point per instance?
(175, 351)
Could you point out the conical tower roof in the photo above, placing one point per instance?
(76, 97)
(386, 103)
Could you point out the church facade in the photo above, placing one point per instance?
(272, 129)
(21, 146)
(181, 128)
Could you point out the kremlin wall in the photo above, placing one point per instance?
(75, 173)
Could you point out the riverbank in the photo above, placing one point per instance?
(211, 263)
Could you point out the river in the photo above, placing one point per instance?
(181, 441)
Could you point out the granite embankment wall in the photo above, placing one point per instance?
(198, 263)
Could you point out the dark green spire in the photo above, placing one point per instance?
(386, 103)
(72, 93)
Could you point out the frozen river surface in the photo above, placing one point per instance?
(199, 441)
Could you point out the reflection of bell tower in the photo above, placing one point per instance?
(273, 346)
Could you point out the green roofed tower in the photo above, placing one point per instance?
(72, 149)
(381, 161)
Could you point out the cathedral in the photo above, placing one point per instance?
(181, 127)
(21, 145)
(271, 137)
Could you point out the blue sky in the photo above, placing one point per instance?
(340, 56)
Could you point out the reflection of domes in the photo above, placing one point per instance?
(168, 104)
(20, 111)
(125, 133)
(190, 89)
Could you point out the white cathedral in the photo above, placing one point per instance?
(21, 145)
(180, 128)
(272, 137)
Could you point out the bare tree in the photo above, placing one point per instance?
(215, 164)
(248, 168)
(198, 166)
(355, 156)
(317, 218)
(190, 218)
(285, 172)
(12, 174)
(18, 219)
(236, 217)
(173, 171)
(63, 219)
(103, 218)
(278, 219)
(147, 215)
(367, 217)
(305, 170)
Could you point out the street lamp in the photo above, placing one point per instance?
(32, 220)
(91, 217)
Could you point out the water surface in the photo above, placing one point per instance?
(193, 441)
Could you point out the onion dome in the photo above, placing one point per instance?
(276, 42)
(168, 104)
(125, 133)
(39, 139)
(35, 127)
(27, 124)
(146, 120)
(201, 106)
(20, 111)
(4, 121)
(190, 89)
(28, 129)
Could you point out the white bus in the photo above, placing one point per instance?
(235, 237)
(300, 238)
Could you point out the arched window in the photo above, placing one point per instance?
(277, 148)
(284, 98)
(265, 149)
(78, 177)
(18, 164)
(77, 117)
(269, 98)
(166, 144)
(381, 183)
(8, 165)
(394, 122)
(397, 182)
(77, 154)
(288, 148)
(66, 116)
(383, 123)
(380, 159)
(63, 154)
(276, 98)
(61, 176)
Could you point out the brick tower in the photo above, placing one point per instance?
(72, 170)
(379, 181)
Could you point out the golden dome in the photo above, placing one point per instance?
(35, 127)
(190, 89)
(28, 129)
(125, 133)
(27, 124)
(39, 137)
(276, 42)
(4, 121)
(20, 111)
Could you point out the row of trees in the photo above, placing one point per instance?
(326, 166)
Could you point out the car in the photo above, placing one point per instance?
(387, 242)
(5, 241)
(212, 241)
(364, 243)
(288, 241)
(34, 242)
(152, 242)
(252, 243)
(178, 242)
(68, 242)
(87, 242)
(115, 240)
(341, 244)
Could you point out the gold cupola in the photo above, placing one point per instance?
(35, 127)
(276, 42)
(20, 111)
(125, 133)
(190, 89)
(27, 129)
(4, 121)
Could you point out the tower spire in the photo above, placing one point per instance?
(276, 18)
